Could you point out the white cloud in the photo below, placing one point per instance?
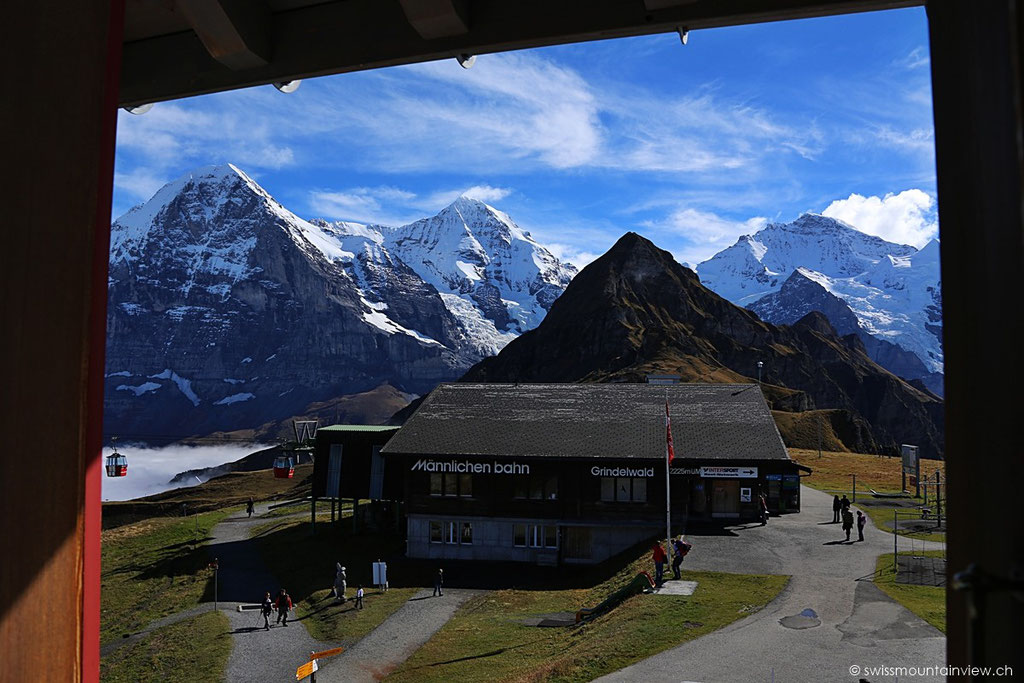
(483, 193)
(904, 218)
(704, 233)
(918, 140)
(570, 254)
(382, 205)
(139, 183)
(917, 58)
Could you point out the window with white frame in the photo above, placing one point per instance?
(534, 536)
(451, 533)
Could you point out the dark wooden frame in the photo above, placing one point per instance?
(62, 70)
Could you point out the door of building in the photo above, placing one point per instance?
(698, 497)
(577, 543)
(725, 498)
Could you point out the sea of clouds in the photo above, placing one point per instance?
(150, 470)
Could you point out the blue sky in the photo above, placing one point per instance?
(690, 145)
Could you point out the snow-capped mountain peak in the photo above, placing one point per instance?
(893, 289)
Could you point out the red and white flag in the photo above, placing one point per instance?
(671, 453)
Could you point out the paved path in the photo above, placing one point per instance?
(859, 625)
(256, 655)
(386, 647)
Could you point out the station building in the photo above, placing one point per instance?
(575, 473)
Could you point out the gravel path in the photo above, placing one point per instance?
(256, 654)
(854, 623)
(386, 647)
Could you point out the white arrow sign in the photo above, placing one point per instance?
(728, 472)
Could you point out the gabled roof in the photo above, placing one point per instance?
(709, 422)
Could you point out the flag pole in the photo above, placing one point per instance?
(668, 487)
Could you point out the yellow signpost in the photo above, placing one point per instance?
(326, 653)
(307, 669)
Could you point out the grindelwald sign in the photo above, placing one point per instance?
(467, 467)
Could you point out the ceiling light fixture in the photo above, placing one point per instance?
(139, 109)
(288, 86)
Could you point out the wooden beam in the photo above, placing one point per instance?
(234, 32)
(354, 35)
(437, 18)
(52, 348)
(977, 67)
(662, 4)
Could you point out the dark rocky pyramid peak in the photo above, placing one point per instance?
(817, 321)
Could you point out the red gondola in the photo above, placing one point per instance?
(117, 465)
(284, 468)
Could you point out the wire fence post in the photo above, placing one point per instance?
(895, 540)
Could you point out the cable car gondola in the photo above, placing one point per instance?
(284, 467)
(117, 464)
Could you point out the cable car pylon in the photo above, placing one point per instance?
(291, 452)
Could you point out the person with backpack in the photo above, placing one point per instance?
(250, 506)
(659, 557)
(283, 604)
(681, 548)
(847, 522)
(266, 609)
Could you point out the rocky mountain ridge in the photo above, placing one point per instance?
(635, 311)
(228, 311)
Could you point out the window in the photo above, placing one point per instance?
(534, 536)
(451, 533)
(449, 484)
(623, 490)
(536, 487)
(640, 490)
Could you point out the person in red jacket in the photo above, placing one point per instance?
(659, 556)
(283, 604)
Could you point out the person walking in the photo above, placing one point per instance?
(359, 598)
(836, 507)
(439, 583)
(250, 506)
(847, 522)
(862, 519)
(763, 504)
(283, 604)
(680, 548)
(266, 609)
(659, 557)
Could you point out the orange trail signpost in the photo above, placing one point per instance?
(326, 653)
(308, 669)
